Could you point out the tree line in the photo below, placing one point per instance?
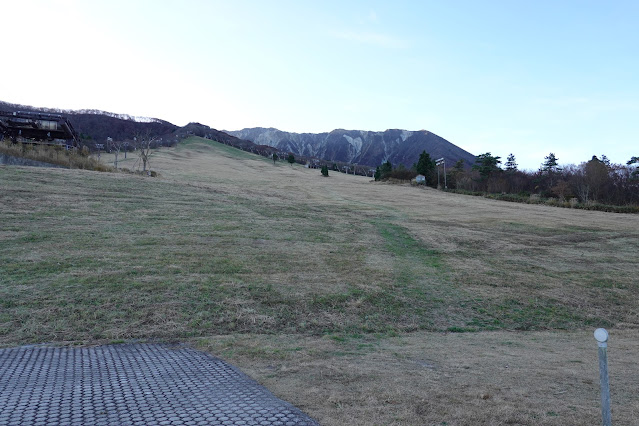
(595, 181)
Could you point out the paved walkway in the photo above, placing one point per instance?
(132, 384)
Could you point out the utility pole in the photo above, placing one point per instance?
(439, 162)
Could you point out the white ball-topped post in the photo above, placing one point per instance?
(601, 335)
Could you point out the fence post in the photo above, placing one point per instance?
(602, 338)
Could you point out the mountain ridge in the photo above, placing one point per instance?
(359, 147)
(399, 146)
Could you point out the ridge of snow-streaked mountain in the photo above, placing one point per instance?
(360, 146)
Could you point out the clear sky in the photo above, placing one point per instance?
(527, 77)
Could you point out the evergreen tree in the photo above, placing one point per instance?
(597, 177)
(378, 174)
(550, 165)
(634, 160)
(486, 164)
(291, 158)
(324, 170)
(386, 168)
(550, 168)
(274, 158)
(426, 166)
(511, 163)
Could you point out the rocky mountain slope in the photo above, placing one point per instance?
(359, 146)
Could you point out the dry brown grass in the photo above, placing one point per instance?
(336, 293)
(52, 154)
(488, 378)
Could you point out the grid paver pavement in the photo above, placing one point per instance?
(133, 384)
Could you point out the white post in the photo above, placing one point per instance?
(602, 338)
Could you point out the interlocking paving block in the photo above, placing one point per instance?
(132, 384)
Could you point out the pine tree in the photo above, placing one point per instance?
(550, 165)
(386, 168)
(511, 163)
(426, 166)
(634, 160)
(550, 168)
(486, 164)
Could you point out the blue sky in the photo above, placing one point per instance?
(527, 77)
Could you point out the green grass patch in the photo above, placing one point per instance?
(196, 143)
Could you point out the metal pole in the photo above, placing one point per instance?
(438, 163)
(445, 184)
(602, 338)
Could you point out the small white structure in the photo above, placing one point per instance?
(420, 179)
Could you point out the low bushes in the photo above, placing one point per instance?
(54, 154)
(537, 199)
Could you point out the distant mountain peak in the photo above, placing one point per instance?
(399, 146)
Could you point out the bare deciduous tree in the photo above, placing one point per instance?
(115, 147)
(579, 182)
(143, 144)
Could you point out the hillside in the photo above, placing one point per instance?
(360, 302)
(359, 146)
(96, 126)
(364, 148)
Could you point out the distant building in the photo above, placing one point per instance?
(36, 127)
(420, 179)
